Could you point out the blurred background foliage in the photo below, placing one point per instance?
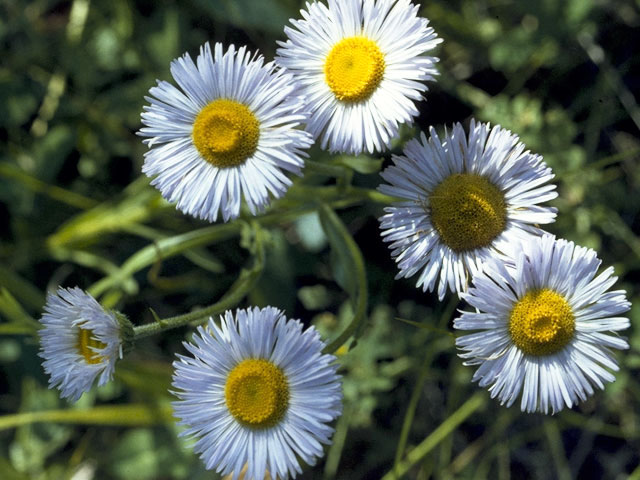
(74, 209)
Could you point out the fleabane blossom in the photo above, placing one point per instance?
(228, 133)
(80, 341)
(461, 201)
(546, 326)
(257, 393)
(362, 66)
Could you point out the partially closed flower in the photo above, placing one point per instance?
(80, 341)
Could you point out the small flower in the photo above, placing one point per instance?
(547, 326)
(80, 341)
(361, 65)
(228, 134)
(258, 391)
(464, 201)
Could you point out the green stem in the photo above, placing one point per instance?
(330, 220)
(478, 446)
(411, 409)
(36, 185)
(23, 290)
(164, 248)
(554, 441)
(415, 395)
(335, 452)
(170, 246)
(96, 262)
(240, 288)
(600, 164)
(197, 256)
(445, 429)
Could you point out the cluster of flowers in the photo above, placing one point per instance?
(258, 392)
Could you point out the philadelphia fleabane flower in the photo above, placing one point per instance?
(547, 326)
(259, 392)
(362, 66)
(464, 201)
(80, 341)
(228, 133)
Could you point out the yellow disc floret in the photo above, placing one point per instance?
(86, 341)
(541, 323)
(468, 211)
(226, 133)
(354, 68)
(257, 393)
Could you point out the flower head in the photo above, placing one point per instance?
(228, 133)
(259, 392)
(80, 341)
(361, 65)
(464, 200)
(547, 326)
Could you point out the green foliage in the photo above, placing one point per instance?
(75, 210)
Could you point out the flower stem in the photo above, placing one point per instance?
(243, 284)
(446, 428)
(295, 204)
(345, 246)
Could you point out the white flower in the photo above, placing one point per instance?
(228, 134)
(464, 201)
(258, 391)
(547, 326)
(360, 64)
(79, 342)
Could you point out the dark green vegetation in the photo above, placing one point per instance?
(564, 75)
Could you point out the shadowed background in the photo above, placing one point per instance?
(564, 76)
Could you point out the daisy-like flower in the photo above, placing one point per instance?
(547, 326)
(80, 341)
(228, 133)
(464, 201)
(259, 393)
(361, 65)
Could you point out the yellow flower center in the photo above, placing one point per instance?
(257, 393)
(226, 133)
(468, 211)
(86, 341)
(541, 323)
(354, 68)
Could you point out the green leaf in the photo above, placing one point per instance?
(165, 248)
(145, 375)
(33, 443)
(17, 102)
(427, 327)
(10, 473)
(137, 204)
(164, 44)
(51, 151)
(348, 269)
(20, 322)
(112, 415)
(31, 183)
(136, 456)
(361, 163)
